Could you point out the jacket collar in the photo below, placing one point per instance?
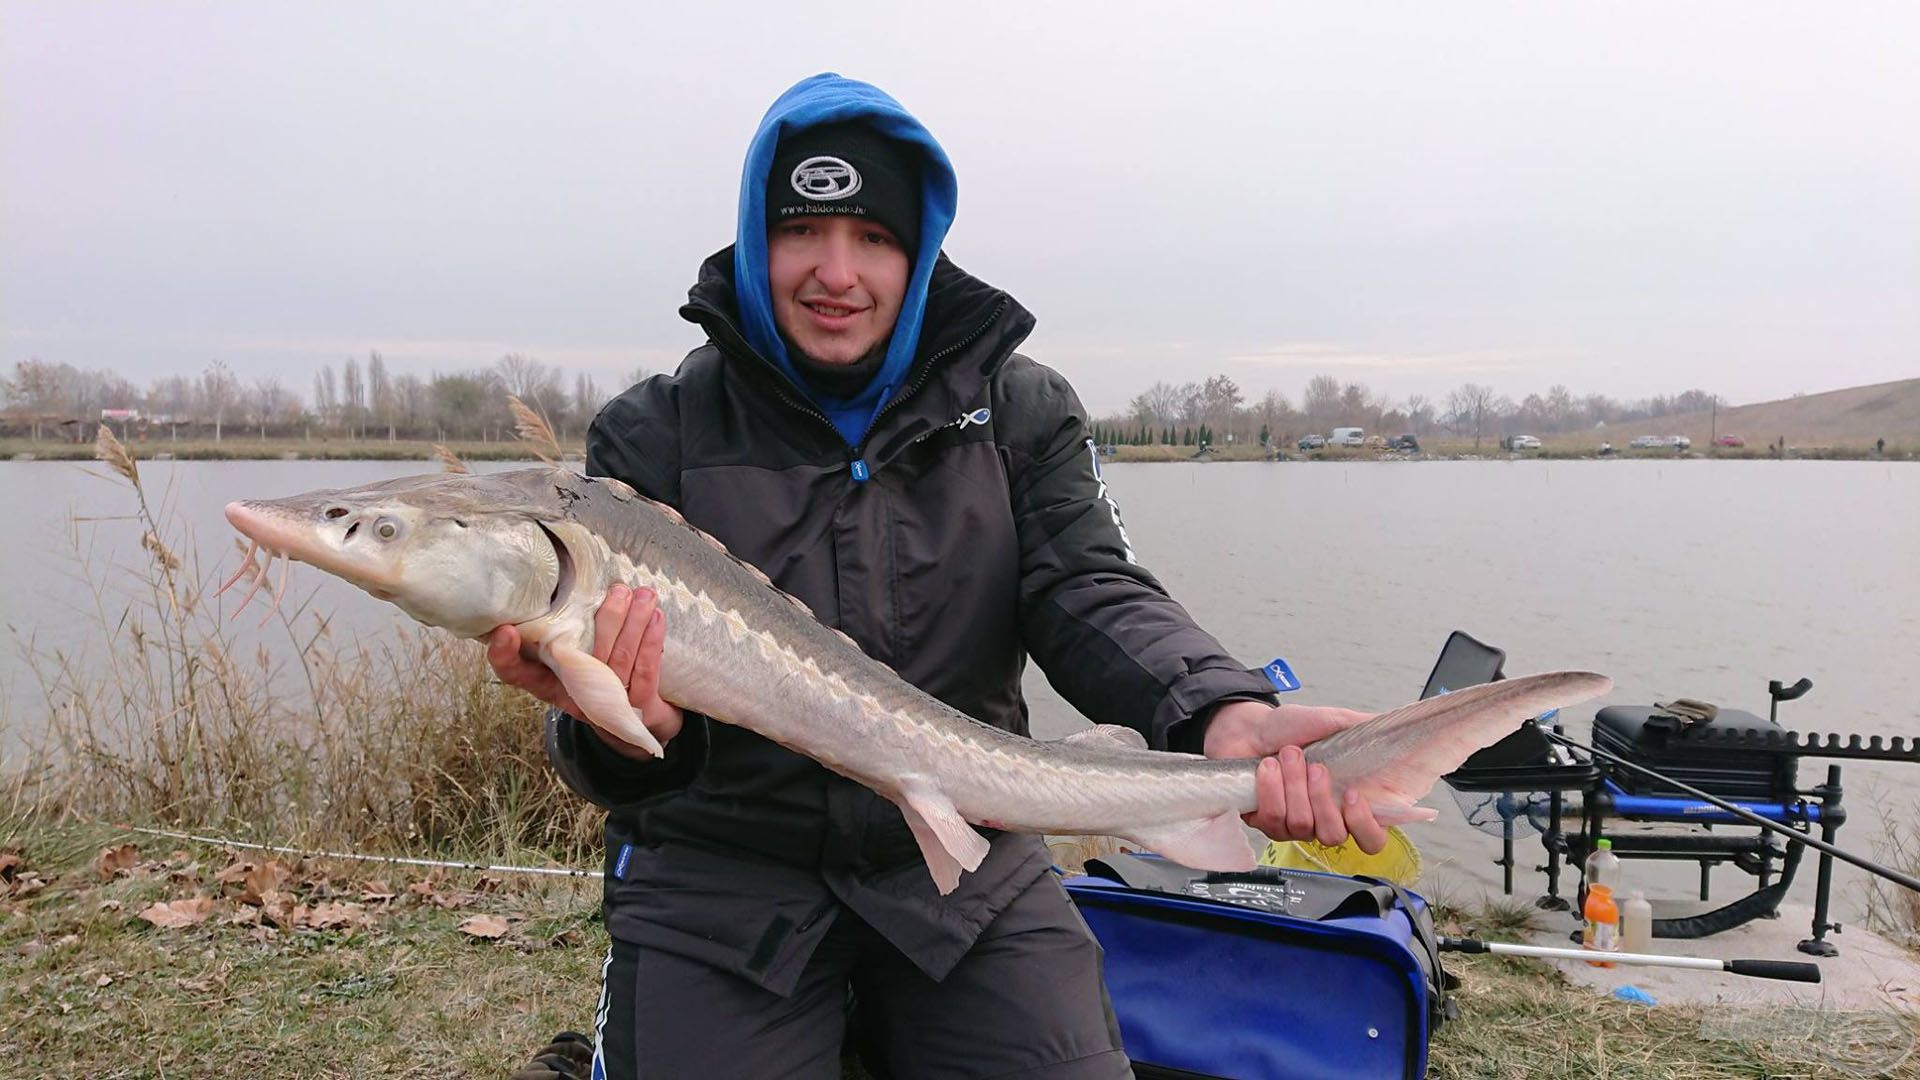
(970, 329)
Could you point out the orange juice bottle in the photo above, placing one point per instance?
(1602, 932)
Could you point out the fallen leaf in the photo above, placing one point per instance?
(484, 926)
(104, 980)
(333, 914)
(270, 876)
(376, 891)
(235, 873)
(10, 863)
(277, 908)
(115, 860)
(179, 913)
(109, 905)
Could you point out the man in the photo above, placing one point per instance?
(859, 427)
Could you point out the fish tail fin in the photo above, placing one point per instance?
(946, 841)
(599, 693)
(1215, 843)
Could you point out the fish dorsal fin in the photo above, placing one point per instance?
(1107, 736)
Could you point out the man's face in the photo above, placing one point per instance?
(837, 283)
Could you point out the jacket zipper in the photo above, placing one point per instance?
(856, 453)
(925, 372)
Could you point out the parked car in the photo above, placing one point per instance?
(1730, 440)
(1376, 442)
(1404, 442)
(1520, 442)
(1647, 442)
(1313, 442)
(1679, 442)
(1347, 436)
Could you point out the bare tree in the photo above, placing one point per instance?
(353, 397)
(1158, 405)
(326, 397)
(1469, 408)
(1322, 402)
(219, 389)
(1419, 413)
(380, 390)
(587, 397)
(268, 399)
(35, 390)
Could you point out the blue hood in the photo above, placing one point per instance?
(826, 99)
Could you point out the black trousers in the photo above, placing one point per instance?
(1026, 1002)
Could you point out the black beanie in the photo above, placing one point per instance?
(847, 168)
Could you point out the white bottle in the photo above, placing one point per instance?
(1603, 866)
(1636, 924)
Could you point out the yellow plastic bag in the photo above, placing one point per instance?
(1398, 862)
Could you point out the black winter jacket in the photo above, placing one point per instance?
(981, 534)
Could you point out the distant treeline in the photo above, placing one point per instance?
(1215, 411)
(363, 401)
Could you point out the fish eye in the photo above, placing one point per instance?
(385, 529)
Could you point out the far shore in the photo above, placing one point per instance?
(1442, 449)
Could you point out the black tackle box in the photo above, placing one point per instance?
(1673, 746)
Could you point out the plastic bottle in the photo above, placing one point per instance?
(1603, 866)
(1636, 924)
(1602, 931)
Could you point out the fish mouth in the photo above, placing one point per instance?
(563, 583)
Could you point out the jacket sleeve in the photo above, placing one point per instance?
(1104, 631)
(635, 438)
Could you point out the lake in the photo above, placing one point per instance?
(1700, 579)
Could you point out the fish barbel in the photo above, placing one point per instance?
(538, 548)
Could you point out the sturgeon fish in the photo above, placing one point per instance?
(539, 547)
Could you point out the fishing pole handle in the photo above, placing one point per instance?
(1784, 970)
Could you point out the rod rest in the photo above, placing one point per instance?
(1871, 748)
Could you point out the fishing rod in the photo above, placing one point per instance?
(1748, 816)
(1785, 970)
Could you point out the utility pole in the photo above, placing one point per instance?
(1714, 438)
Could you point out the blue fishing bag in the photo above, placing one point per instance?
(1272, 973)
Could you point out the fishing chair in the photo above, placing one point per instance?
(1733, 755)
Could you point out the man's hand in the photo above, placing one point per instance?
(628, 632)
(1296, 800)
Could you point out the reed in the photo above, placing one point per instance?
(396, 742)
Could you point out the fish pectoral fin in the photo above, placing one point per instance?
(599, 693)
(946, 841)
(1215, 843)
(1108, 735)
(1399, 811)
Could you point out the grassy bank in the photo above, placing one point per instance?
(336, 969)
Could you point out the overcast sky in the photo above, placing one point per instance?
(1626, 198)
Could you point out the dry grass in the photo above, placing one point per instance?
(1892, 910)
(400, 743)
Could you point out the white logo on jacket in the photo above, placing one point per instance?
(1126, 545)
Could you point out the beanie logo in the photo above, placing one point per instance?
(823, 178)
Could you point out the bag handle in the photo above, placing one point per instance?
(1298, 893)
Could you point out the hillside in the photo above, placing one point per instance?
(1853, 417)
